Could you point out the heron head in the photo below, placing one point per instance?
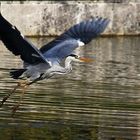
(77, 58)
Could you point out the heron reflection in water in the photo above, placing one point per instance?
(43, 63)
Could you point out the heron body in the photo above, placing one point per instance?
(43, 71)
(43, 63)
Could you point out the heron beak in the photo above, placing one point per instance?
(84, 59)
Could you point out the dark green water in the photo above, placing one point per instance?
(97, 101)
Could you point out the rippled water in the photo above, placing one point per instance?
(97, 101)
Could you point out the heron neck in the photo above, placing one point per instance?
(68, 65)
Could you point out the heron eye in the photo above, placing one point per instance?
(76, 56)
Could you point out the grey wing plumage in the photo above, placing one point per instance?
(85, 31)
(18, 44)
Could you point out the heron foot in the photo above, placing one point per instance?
(20, 84)
(3, 100)
(6, 97)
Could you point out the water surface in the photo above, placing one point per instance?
(97, 101)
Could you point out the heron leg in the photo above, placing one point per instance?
(25, 85)
(15, 108)
(13, 91)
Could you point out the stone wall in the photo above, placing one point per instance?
(52, 18)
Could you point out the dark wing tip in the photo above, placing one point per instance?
(88, 29)
(17, 44)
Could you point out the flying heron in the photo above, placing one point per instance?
(43, 63)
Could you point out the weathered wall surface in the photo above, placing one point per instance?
(52, 18)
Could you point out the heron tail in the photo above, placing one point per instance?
(16, 73)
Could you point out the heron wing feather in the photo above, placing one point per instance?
(65, 44)
(18, 44)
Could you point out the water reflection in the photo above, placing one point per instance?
(99, 100)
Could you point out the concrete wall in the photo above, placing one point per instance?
(52, 18)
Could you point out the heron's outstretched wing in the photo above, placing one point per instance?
(74, 37)
(17, 43)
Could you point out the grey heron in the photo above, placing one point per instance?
(43, 63)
